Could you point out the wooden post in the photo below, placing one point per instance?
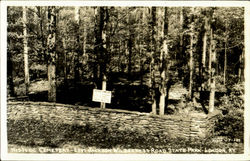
(104, 86)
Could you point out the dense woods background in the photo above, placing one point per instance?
(163, 60)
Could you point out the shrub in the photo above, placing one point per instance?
(231, 122)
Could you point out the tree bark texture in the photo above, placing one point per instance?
(51, 47)
(152, 63)
(101, 47)
(212, 74)
(25, 52)
(103, 20)
(191, 63)
(204, 51)
(241, 66)
(163, 19)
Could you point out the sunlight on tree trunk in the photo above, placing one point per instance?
(210, 57)
(25, 52)
(191, 63)
(212, 74)
(51, 53)
(204, 51)
(181, 32)
(163, 59)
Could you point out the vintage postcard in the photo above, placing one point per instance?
(125, 80)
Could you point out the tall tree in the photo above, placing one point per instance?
(241, 66)
(152, 63)
(204, 49)
(78, 45)
(25, 52)
(163, 18)
(191, 58)
(41, 14)
(100, 46)
(51, 47)
(225, 53)
(104, 21)
(212, 72)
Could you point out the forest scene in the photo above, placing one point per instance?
(162, 61)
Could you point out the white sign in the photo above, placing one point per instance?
(101, 96)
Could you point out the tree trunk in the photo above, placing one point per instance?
(51, 46)
(181, 54)
(25, 52)
(241, 67)
(98, 42)
(163, 59)
(212, 74)
(65, 60)
(210, 58)
(41, 34)
(181, 32)
(204, 51)
(85, 58)
(225, 54)
(130, 46)
(101, 46)
(225, 63)
(152, 63)
(103, 20)
(78, 46)
(191, 63)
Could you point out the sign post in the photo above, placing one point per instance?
(102, 96)
(104, 85)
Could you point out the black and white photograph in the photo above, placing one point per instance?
(124, 79)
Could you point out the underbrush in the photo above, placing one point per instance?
(231, 122)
